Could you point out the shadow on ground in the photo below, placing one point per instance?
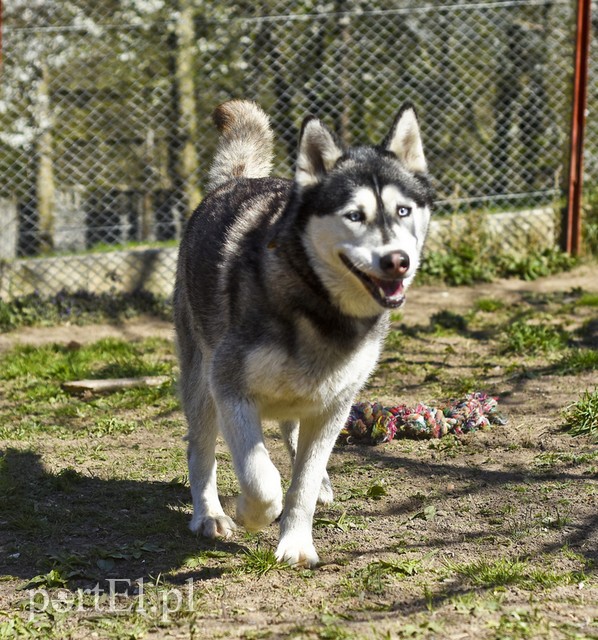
(93, 529)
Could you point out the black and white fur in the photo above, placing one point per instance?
(281, 306)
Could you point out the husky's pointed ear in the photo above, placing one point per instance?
(318, 152)
(404, 140)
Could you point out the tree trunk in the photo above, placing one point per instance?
(44, 166)
(187, 115)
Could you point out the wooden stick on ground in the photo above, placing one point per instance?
(113, 384)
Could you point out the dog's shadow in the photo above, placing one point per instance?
(89, 529)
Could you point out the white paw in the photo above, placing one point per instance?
(297, 553)
(255, 515)
(213, 526)
(326, 495)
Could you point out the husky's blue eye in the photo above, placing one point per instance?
(355, 216)
(403, 212)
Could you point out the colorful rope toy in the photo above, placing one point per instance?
(372, 423)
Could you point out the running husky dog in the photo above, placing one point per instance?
(282, 302)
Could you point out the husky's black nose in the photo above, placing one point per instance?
(395, 264)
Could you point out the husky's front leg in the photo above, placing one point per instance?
(316, 438)
(260, 502)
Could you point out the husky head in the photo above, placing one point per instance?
(365, 212)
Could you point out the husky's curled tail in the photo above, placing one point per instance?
(245, 149)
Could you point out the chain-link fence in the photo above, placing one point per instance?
(106, 137)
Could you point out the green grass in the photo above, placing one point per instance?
(505, 571)
(458, 386)
(377, 576)
(520, 624)
(581, 417)
(551, 459)
(448, 321)
(106, 358)
(77, 496)
(80, 307)
(32, 379)
(588, 300)
(489, 305)
(522, 338)
(576, 361)
(259, 562)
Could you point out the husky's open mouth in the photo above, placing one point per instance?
(388, 293)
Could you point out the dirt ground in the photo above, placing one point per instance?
(490, 535)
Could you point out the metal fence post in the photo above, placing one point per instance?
(572, 222)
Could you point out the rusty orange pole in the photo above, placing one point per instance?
(572, 226)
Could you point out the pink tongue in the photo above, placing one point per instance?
(391, 289)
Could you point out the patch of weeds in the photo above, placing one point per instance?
(375, 577)
(477, 604)
(496, 573)
(534, 264)
(256, 634)
(16, 627)
(459, 265)
(520, 624)
(551, 459)
(523, 338)
(558, 520)
(333, 629)
(343, 522)
(488, 305)
(504, 572)
(446, 320)
(576, 361)
(195, 561)
(52, 579)
(80, 307)
(259, 562)
(395, 340)
(110, 426)
(473, 255)
(581, 417)
(66, 480)
(421, 631)
(427, 513)
(70, 564)
(459, 387)
(376, 491)
(548, 578)
(577, 557)
(588, 300)
(131, 627)
(106, 559)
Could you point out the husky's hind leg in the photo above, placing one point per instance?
(290, 434)
(208, 518)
